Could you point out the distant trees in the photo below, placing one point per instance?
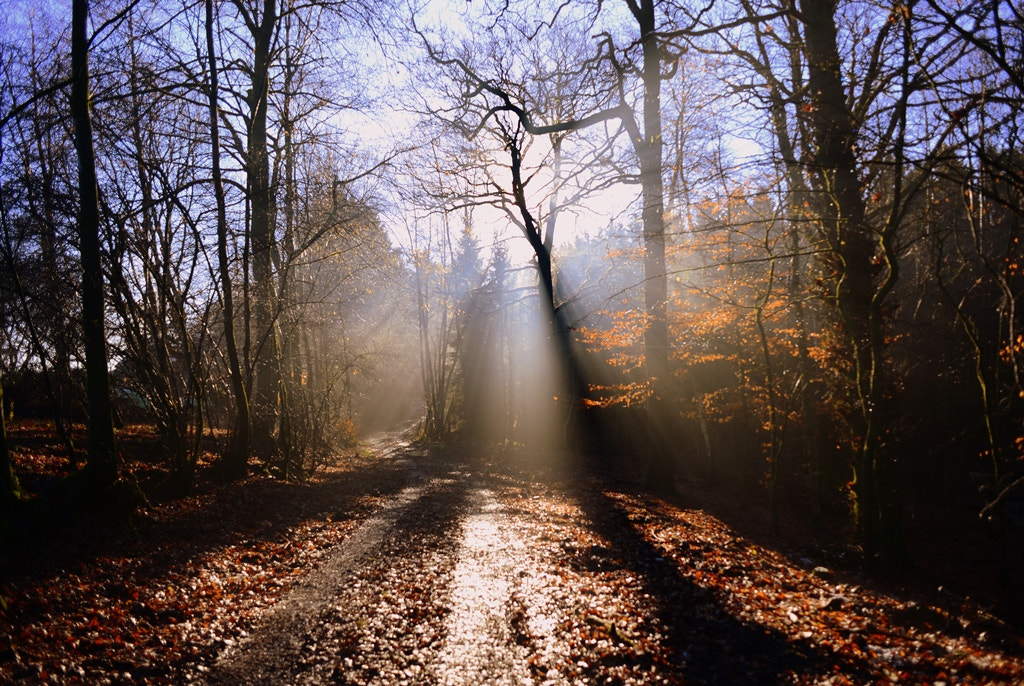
(227, 250)
(38, 218)
(814, 284)
(796, 289)
(447, 282)
(459, 298)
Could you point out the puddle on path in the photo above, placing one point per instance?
(480, 647)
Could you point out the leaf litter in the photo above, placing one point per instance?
(591, 583)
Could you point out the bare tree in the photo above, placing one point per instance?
(237, 457)
(500, 122)
(103, 461)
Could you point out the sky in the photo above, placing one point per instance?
(391, 125)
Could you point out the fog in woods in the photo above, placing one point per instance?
(772, 247)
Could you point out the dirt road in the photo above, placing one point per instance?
(422, 591)
(477, 574)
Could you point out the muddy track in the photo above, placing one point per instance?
(419, 592)
(457, 580)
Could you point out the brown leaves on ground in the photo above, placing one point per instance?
(612, 587)
(857, 635)
(149, 605)
(653, 592)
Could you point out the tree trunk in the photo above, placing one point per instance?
(103, 460)
(268, 372)
(10, 490)
(236, 458)
(288, 361)
(857, 292)
(661, 472)
(581, 427)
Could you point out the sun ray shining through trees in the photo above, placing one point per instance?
(765, 249)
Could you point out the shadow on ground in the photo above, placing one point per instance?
(50, 534)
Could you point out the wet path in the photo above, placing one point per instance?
(420, 593)
(460, 579)
(480, 648)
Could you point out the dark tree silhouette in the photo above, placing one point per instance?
(103, 462)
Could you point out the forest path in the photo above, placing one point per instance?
(475, 575)
(429, 573)
(468, 565)
(482, 572)
(420, 591)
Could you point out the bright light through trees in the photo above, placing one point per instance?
(774, 243)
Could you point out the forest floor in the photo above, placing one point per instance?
(399, 564)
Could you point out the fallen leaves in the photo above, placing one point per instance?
(870, 635)
(157, 604)
(604, 586)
